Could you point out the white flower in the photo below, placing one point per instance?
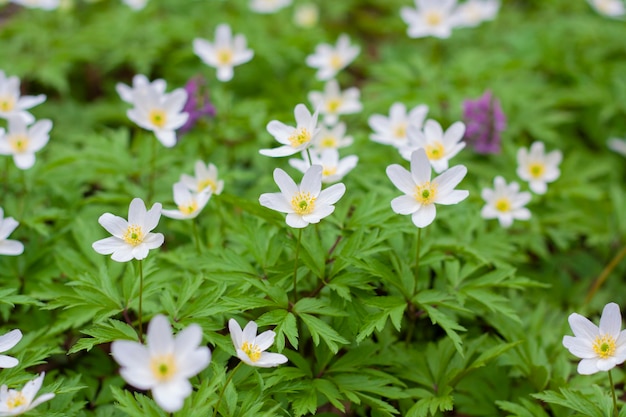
(393, 130)
(474, 12)
(140, 82)
(505, 202)
(7, 341)
(617, 145)
(8, 246)
(329, 61)
(131, 239)
(251, 348)
(268, 6)
(225, 53)
(332, 102)
(306, 15)
(189, 204)
(440, 147)
(306, 203)
(429, 18)
(165, 364)
(205, 177)
(333, 168)
(421, 194)
(38, 4)
(14, 402)
(538, 168)
(135, 4)
(11, 102)
(293, 139)
(600, 349)
(610, 8)
(22, 142)
(332, 138)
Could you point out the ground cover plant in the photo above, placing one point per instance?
(292, 208)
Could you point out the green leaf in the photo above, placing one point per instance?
(104, 332)
(320, 329)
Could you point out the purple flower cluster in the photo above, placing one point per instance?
(484, 120)
(198, 103)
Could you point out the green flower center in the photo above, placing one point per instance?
(163, 367)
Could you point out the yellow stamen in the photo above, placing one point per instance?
(19, 143)
(303, 203)
(536, 169)
(133, 235)
(399, 131)
(333, 105)
(253, 351)
(16, 399)
(425, 193)
(207, 182)
(6, 104)
(435, 150)
(224, 56)
(503, 204)
(300, 137)
(163, 367)
(336, 62)
(328, 171)
(189, 208)
(604, 346)
(157, 117)
(328, 142)
(433, 18)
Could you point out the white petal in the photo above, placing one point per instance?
(280, 151)
(108, 245)
(115, 225)
(453, 197)
(332, 194)
(275, 201)
(137, 212)
(8, 361)
(296, 221)
(249, 332)
(166, 137)
(236, 334)
(265, 339)
(401, 178)
(424, 216)
(405, 204)
(159, 336)
(287, 186)
(588, 366)
(10, 339)
(312, 180)
(11, 247)
(582, 327)
(611, 320)
(450, 179)
(171, 396)
(581, 348)
(270, 360)
(420, 166)
(24, 160)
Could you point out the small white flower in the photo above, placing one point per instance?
(225, 53)
(537, 167)
(600, 348)
(22, 142)
(329, 61)
(268, 6)
(610, 8)
(9, 246)
(38, 4)
(306, 15)
(440, 147)
(205, 178)
(251, 348)
(135, 4)
(332, 102)
(189, 204)
(333, 168)
(11, 101)
(140, 82)
(165, 365)
(505, 202)
(14, 402)
(393, 130)
(474, 12)
(293, 139)
(617, 145)
(421, 194)
(7, 341)
(332, 138)
(131, 239)
(429, 18)
(306, 203)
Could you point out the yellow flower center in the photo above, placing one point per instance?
(6, 104)
(303, 203)
(225, 56)
(400, 131)
(300, 137)
(425, 193)
(133, 235)
(328, 171)
(604, 346)
(333, 105)
(188, 208)
(536, 169)
(157, 117)
(336, 62)
(503, 204)
(163, 367)
(328, 142)
(207, 182)
(16, 399)
(19, 143)
(253, 351)
(433, 18)
(435, 150)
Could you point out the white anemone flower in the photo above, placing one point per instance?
(333, 102)
(306, 203)
(9, 246)
(131, 239)
(22, 141)
(332, 138)
(224, 53)
(429, 18)
(165, 365)
(600, 348)
(617, 145)
(7, 341)
(39, 4)
(268, 6)
(333, 168)
(293, 139)
(306, 15)
(140, 81)
(189, 204)
(609, 8)
(251, 348)
(440, 147)
(14, 402)
(393, 130)
(136, 4)
(421, 194)
(11, 101)
(537, 167)
(474, 12)
(330, 60)
(505, 202)
(205, 178)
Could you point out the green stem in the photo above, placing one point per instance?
(615, 412)
(295, 268)
(417, 257)
(219, 400)
(152, 170)
(139, 313)
(308, 153)
(7, 166)
(196, 236)
(605, 274)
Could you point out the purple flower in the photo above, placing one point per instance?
(484, 120)
(198, 103)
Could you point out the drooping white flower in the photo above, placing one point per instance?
(14, 402)
(293, 139)
(429, 18)
(136, 4)
(306, 15)
(537, 167)
(617, 145)
(7, 341)
(251, 348)
(131, 239)
(224, 53)
(205, 177)
(11, 101)
(440, 147)
(505, 202)
(39, 4)
(22, 141)
(333, 102)
(473, 12)
(393, 130)
(330, 60)
(140, 82)
(332, 138)
(333, 168)
(9, 246)
(600, 348)
(609, 8)
(165, 364)
(268, 6)
(306, 203)
(421, 194)
(189, 204)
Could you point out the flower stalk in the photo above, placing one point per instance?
(615, 412)
(295, 267)
(219, 399)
